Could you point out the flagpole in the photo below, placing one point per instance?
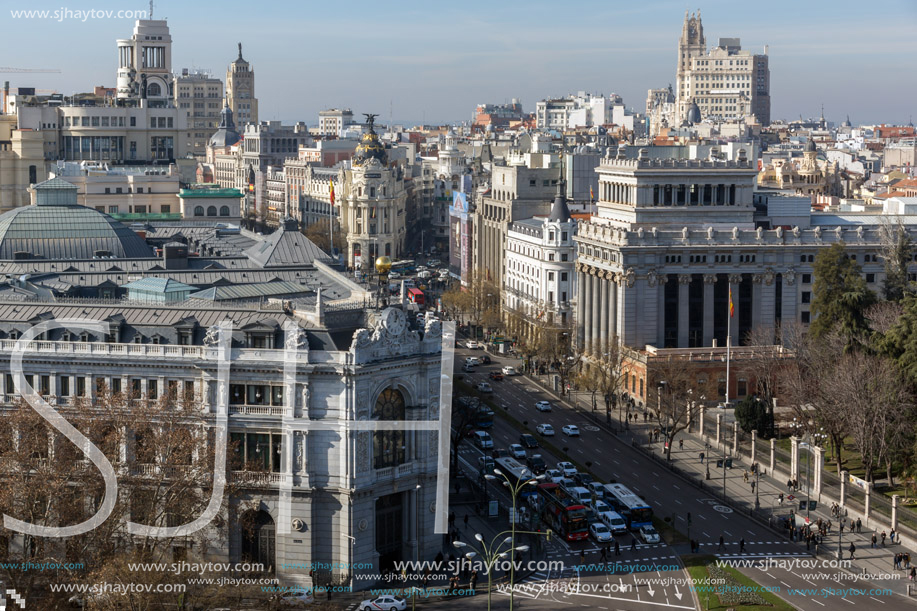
(728, 342)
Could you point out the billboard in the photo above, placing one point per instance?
(460, 237)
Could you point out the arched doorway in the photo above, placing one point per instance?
(258, 539)
(389, 530)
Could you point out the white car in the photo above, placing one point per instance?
(296, 598)
(567, 468)
(485, 387)
(553, 474)
(545, 429)
(434, 263)
(543, 406)
(386, 603)
(472, 361)
(517, 451)
(471, 345)
(571, 430)
(600, 532)
(614, 521)
(425, 274)
(600, 506)
(509, 371)
(649, 534)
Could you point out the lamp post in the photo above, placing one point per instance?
(757, 488)
(491, 554)
(514, 492)
(707, 458)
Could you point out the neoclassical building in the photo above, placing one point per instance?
(806, 176)
(671, 238)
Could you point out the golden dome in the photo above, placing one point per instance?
(383, 264)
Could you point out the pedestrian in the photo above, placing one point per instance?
(780, 497)
(745, 475)
(474, 580)
(681, 444)
(852, 549)
(742, 545)
(896, 561)
(701, 458)
(633, 544)
(913, 576)
(883, 538)
(582, 558)
(752, 486)
(789, 485)
(874, 540)
(722, 543)
(617, 549)
(891, 536)
(907, 560)
(859, 525)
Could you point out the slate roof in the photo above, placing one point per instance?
(251, 291)
(159, 285)
(286, 246)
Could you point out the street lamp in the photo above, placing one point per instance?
(514, 492)
(491, 554)
(707, 457)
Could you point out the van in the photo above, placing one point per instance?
(483, 440)
(582, 495)
(614, 521)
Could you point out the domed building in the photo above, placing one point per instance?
(226, 134)
(57, 227)
(373, 208)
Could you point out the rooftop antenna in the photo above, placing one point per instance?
(151, 9)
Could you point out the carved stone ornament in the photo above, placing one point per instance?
(630, 277)
(655, 233)
(684, 278)
(709, 278)
(651, 278)
(790, 276)
(817, 233)
(296, 339)
(779, 233)
(796, 232)
(361, 338)
(684, 233)
(860, 232)
(212, 337)
(433, 328)
(757, 278)
(735, 233)
(640, 232)
(363, 451)
(363, 525)
(769, 276)
(735, 278)
(710, 233)
(759, 233)
(839, 232)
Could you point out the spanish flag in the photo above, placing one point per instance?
(732, 308)
(591, 196)
(331, 184)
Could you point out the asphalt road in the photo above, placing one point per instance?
(613, 459)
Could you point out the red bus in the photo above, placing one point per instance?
(416, 296)
(562, 513)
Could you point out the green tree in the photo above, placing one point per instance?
(753, 414)
(900, 341)
(841, 296)
(897, 250)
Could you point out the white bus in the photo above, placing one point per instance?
(634, 509)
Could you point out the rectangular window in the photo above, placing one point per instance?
(807, 278)
(563, 276)
(805, 317)
(152, 389)
(551, 276)
(806, 297)
(80, 386)
(133, 121)
(563, 256)
(65, 386)
(870, 278)
(116, 385)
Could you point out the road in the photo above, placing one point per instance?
(613, 459)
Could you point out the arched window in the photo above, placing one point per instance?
(388, 446)
(224, 210)
(211, 210)
(153, 90)
(198, 211)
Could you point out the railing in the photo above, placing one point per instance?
(259, 410)
(162, 350)
(258, 477)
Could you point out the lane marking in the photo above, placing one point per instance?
(813, 600)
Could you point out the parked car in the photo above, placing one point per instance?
(545, 429)
(509, 371)
(649, 534)
(599, 532)
(483, 440)
(613, 521)
(468, 368)
(485, 387)
(496, 376)
(388, 603)
(528, 441)
(536, 463)
(543, 406)
(296, 598)
(517, 451)
(567, 468)
(472, 345)
(571, 430)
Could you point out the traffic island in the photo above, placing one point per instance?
(723, 587)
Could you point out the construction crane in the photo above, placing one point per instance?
(21, 70)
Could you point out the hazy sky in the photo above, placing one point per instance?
(428, 61)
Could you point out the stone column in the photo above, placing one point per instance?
(587, 310)
(788, 306)
(719, 428)
(756, 302)
(683, 281)
(627, 309)
(754, 445)
(580, 305)
(709, 280)
(768, 303)
(596, 312)
(773, 461)
(603, 316)
(819, 460)
(613, 307)
(660, 310)
(844, 476)
(894, 512)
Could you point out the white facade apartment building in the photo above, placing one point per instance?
(539, 283)
(333, 121)
(200, 96)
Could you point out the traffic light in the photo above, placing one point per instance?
(548, 536)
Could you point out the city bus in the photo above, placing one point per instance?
(631, 507)
(514, 472)
(416, 296)
(562, 513)
(484, 417)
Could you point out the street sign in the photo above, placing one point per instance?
(790, 497)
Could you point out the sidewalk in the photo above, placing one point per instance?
(740, 496)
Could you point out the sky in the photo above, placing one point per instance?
(433, 62)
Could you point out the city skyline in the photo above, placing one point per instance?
(436, 65)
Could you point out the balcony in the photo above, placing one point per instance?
(260, 410)
(258, 478)
(390, 473)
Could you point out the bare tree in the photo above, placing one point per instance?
(884, 315)
(678, 386)
(764, 365)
